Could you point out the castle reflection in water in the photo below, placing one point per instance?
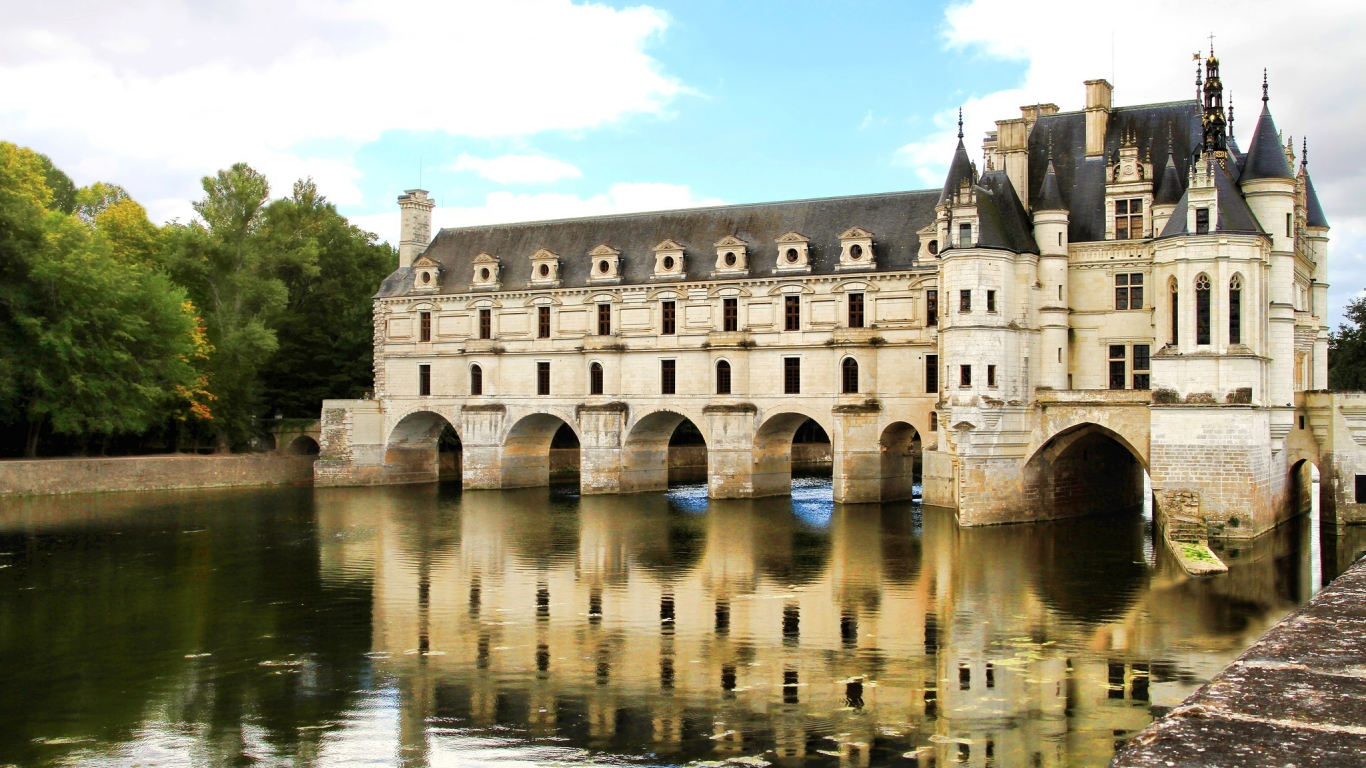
(676, 628)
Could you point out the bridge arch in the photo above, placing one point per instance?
(773, 447)
(645, 449)
(901, 450)
(412, 452)
(526, 448)
(1084, 469)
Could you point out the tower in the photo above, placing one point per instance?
(415, 225)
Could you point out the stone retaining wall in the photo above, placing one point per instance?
(43, 477)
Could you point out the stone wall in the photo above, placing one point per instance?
(38, 477)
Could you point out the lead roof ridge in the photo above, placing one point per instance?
(700, 208)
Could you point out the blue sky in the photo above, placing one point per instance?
(525, 109)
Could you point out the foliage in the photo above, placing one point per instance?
(1347, 350)
(326, 334)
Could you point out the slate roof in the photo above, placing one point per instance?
(1265, 156)
(1050, 196)
(1314, 214)
(1169, 185)
(1001, 218)
(1081, 180)
(892, 217)
(960, 168)
(1234, 213)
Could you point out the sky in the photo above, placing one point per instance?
(533, 109)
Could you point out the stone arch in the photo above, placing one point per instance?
(1299, 485)
(1084, 469)
(303, 445)
(645, 450)
(773, 448)
(412, 451)
(901, 449)
(526, 449)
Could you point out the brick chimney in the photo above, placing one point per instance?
(1098, 93)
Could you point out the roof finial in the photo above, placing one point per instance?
(1265, 98)
(1198, 82)
(1211, 45)
(960, 122)
(1230, 111)
(1304, 151)
(1050, 143)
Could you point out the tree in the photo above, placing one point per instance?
(95, 344)
(1347, 350)
(230, 273)
(331, 270)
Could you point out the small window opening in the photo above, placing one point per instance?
(668, 377)
(792, 313)
(791, 256)
(595, 379)
(965, 301)
(730, 259)
(934, 247)
(485, 323)
(931, 374)
(1202, 334)
(934, 421)
(991, 301)
(1118, 360)
(424, 380)
(964, 375)
(543, 322)
(792, 376)
(1141, 365)
(730, 315)
(855, 310)
(476, 380)
(850, 375)
(855, 252)
(932, 307)
(1202, 221)
(668, 317)
(991, 375)
(964, 235)
(1235, 310)
(604, 319)
(543, 378)
(722, 377)
(425, 326)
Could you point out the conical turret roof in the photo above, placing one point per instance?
(1050, 194)
(1169, 186)
(1314, 214)
(1265, 156)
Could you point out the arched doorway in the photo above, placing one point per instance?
(777, 450)
(303, 445)
(412, 453)
(662, 447)
(901, 459)
(1084, 470)
(526, 460)
(1302, 493)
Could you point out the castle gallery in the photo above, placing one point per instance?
(1113, 291)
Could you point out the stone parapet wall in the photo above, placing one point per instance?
(40, 477)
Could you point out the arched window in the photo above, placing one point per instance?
(1202, 309)
(1235, 310)
(595, 379)
(476, 380)
(1176, 313)
(849, 374)
(722, 377)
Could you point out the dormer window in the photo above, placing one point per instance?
(545, 268)
(934, 247)
(426, 274)
(964, 235)
(1129, 219)
(605, 264)
(1202, 221)
(486, 268)
(856, 249)
(731, 256)
(668, 261)
(794, 250)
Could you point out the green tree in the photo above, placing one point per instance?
(331, 270)
(1347, 350)
(95, 344)
(231, 274)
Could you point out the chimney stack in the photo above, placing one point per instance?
(1098, 93)
(415, 225)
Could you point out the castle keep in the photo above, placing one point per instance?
(1113, 291)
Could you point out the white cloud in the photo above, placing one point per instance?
(517, 169)
(155, 93)
(1306, 96)
(504, 207)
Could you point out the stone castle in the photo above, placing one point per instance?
(1118, 290)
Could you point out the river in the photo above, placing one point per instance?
(421, 625)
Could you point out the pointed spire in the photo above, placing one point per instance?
(1265, 157)
(960, 123)
(1169, 186)
(1304, 152)
(960, 168)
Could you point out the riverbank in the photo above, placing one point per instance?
(45, 477)
(1295, 698)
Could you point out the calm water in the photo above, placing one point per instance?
(419, 626)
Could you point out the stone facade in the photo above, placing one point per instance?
(1120, 291)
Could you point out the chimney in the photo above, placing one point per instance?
(1098, 93)
(415, 225)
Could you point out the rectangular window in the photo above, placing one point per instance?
(1235, 315)
(1289, 226)
(1117, 367)
(991, 301)
(931, 374)
(855, 310)
(965, 301)
(1202, 221)
(730, 315)
(543, 322)
(931, 307)
(792, 375)
(424, 380)
(991, 375)
(604, 319)
(1141, 364)
(485, 323)
(964, 375)
(964, 235)
(667, 310)
(1129, 219)
(792, 313)
(595, 379)
(934, 421)
(1129, 291)
(668, 377)
(425, 326)
(542, 378)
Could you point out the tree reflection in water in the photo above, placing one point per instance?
(419, 625)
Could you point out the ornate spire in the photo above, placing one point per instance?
(1215, 135)
(1304, 152)
(1265, 98)
(960, 123)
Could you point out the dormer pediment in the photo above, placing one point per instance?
(604, 249)
(793, 237)
(427, 261)
(668, 245)
(856, 233)
(485, 258)
(730, 241)
(544, 253)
